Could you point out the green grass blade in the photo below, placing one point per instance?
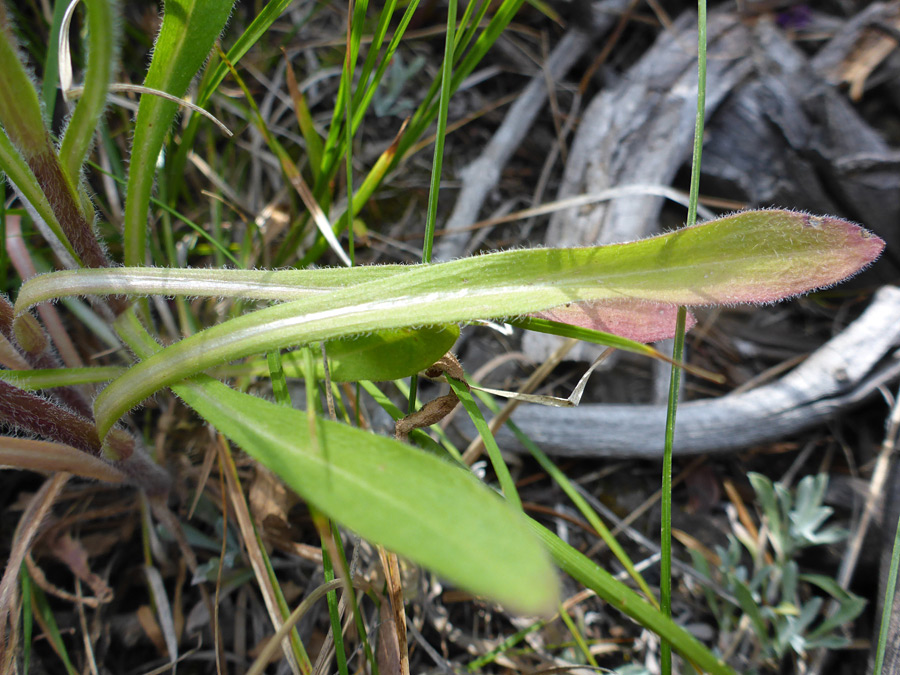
(362, 105)
(334, 616)
(507, 484)
(579, 638)
(276, 375)
(43, 612)
(888, 602)
(427, 111)
(27, 617)
(665, 573)
(665, 586)
(443, 106)
(585, 509)
(617, 594)
(585, 334)
(305, 122)
(353, 40)
(50, 79)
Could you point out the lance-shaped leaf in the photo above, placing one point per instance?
(185, 38)
(751, 257)
(382, 356)
(274, 285)
(636, 320)
(433, 512)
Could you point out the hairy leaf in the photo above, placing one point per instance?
(751, 257)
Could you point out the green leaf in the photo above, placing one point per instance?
(388, 355)
(750, 607)
(188, 31)
(382, 356)
(59, 377)
(20, 107)
(756, 256)
(379, 357)
(101, 61)
(213, 77)
(424, 508)
(850, 605)
(507, 484)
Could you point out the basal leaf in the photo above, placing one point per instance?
(424, 508)
(188, 31)
(751, 257)
(382, 356)
(388, 355)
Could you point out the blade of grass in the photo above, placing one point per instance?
(888, 604)
(353, 37)
(351, 594)
(617, 594)
(608, 340)
(665, 582)
(443, 106)
(580, 503)
(304, 121)
(291, 171)
(421, 119)
(579, 637)
(888, 447)
(362, 105)
(476, 665)
(665, 586)
(276, 375)
(361, 196)
(340, 652)
(323, 527)
(43, 613)
(507, 484)
(427, 111)
(50, 79)
(434, 190)
(27, 615)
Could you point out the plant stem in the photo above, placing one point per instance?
(665, 584)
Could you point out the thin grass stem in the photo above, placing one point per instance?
(665, 585)
(443, 105)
